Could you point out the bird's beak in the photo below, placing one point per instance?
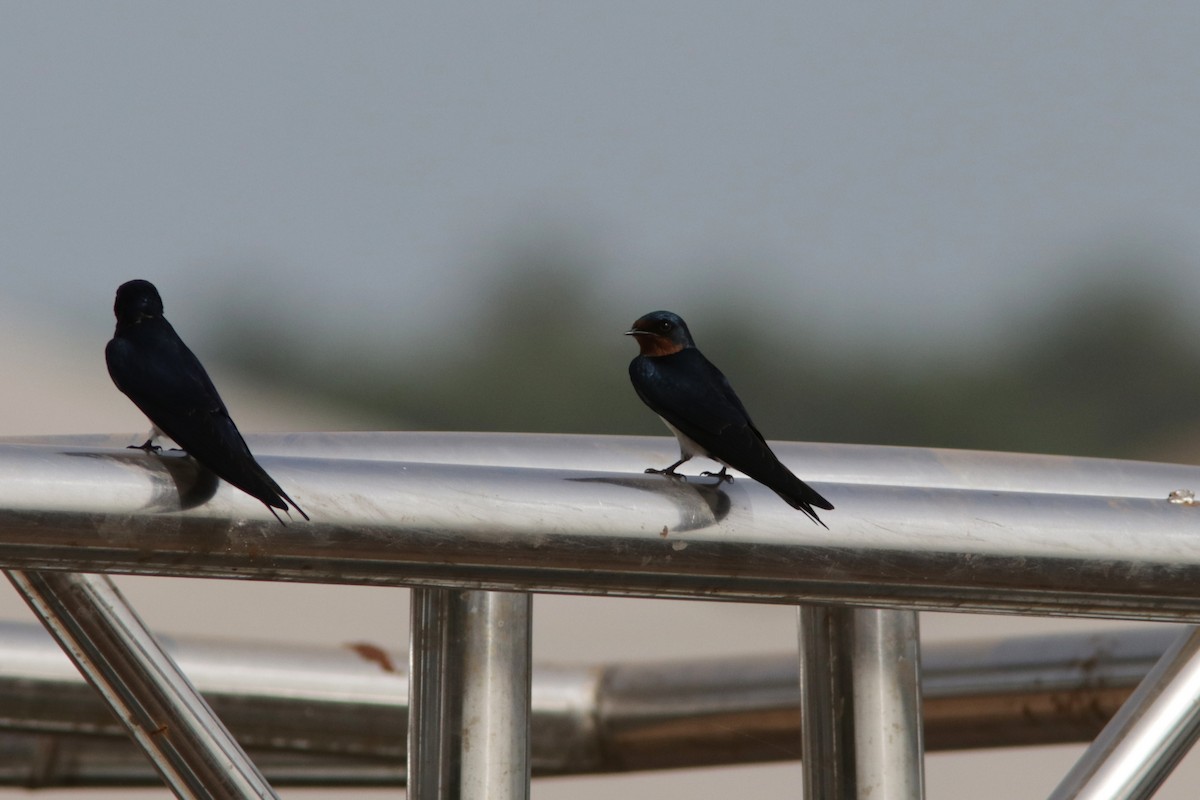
(633, 332)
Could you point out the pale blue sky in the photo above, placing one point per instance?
(917, 169)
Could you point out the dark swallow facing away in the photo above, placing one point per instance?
(150, 363)
(697, 403)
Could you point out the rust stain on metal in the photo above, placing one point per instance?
(375, 654)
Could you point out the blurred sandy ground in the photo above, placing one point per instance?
(60, 386)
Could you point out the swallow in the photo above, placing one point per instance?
(152, 366)
(699, 406)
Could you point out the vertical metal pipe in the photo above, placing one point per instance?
(1144, 741)
(469, 690)
(498, 658)
(826, 689)
(429, 744)
(887, 688)
(860, 702)
(164, 714)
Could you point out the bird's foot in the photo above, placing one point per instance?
(669, 472)
(720, 476)
(147, 446)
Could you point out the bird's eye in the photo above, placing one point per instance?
(664, 326)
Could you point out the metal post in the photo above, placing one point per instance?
(429, 695)
(1144, 741)
(469, 692)
(164, 714)
(860, 702)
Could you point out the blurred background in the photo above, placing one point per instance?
(922, 223)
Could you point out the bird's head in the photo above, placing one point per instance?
(137, 300)
(661, 333)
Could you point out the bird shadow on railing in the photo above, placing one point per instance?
(700, 505)
(179, 481)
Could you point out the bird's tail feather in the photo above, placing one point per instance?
(252, 479)
(798, 494)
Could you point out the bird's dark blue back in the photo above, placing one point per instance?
(687, 390)
(690, 393)
(160, 374)
(152, 365)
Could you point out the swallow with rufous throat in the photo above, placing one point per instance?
(697, 403)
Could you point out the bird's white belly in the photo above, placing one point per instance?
(687, 446)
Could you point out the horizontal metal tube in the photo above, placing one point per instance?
(349, 701)
(34, 761)
(929, 467)
(344, 709)
(506, 528)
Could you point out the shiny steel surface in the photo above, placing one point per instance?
(929, 467)
(46, 761)
(1146, 739)
(349, 700)
(826, 704)
(497, 666)
(860, 702)
(162, 712)
(887, 691)
(586, 531)
(433, 702)
(336, 716)
(470, 656)
(453, 514)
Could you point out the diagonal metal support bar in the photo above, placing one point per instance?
(860, 700)
(469, 695)
(162, 712)
(1146, 739)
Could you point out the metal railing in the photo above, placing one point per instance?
(455, 514)
(342, 712)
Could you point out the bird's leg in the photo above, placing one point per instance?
(669, 471)
(720, 476)
(148, 446)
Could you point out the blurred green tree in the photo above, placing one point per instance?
(1112, 370)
